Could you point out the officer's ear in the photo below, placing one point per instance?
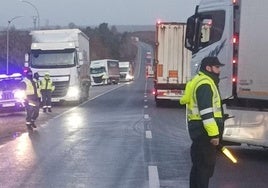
(208, 68)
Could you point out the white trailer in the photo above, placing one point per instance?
(104, 71)
(235, 31)
(64, 54)
(126, 71)
(172, 61)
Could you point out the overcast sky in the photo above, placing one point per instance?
(94, 12)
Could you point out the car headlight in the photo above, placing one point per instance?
(73, 91)
(19, 94)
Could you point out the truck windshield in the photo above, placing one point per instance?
(97, 70)
(53, 58)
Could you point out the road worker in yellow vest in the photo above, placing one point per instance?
(205, 120)
(32, 102)
(47, 88)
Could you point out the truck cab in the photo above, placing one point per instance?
(126, 71)
(104, 71)
(64, 54)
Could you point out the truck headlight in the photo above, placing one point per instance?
(73, 91)
(19, 94)
(129, 77)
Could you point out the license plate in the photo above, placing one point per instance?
(8, 104)
(55, 100)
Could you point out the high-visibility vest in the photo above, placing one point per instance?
(47, 84)
(29, 86)
(189, 98)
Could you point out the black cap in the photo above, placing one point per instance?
(210, 61)
(36, 75)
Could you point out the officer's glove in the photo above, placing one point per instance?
(227, 116)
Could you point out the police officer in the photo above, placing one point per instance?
(38, 85)
(32, 101)
(47, 88)
(205, 120)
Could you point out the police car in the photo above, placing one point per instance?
(11, 96)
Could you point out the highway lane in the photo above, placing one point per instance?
(97, 144)
(12, 124)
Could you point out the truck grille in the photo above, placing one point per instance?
(123, 75)
(98, 79)
(61, 89)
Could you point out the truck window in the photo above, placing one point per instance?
(205, 30)
(211, 27)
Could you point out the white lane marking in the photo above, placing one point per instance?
(149, 134)
(145, 100)
(145, 106)
(145, 96)
(153, 177)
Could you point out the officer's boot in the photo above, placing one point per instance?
(44, 110)
(29, 127)
(49, 110)
(33, 124)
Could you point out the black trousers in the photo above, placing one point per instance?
(46, 98)
(203, 155)
(32, 112)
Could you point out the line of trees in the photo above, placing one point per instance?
(105, 42)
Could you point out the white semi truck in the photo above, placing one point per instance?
(235, 31)
(172, 61)
(126, 71)
(104, 71)
(65, 55)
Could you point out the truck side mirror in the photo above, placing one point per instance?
(26, 60)
(190, 33)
